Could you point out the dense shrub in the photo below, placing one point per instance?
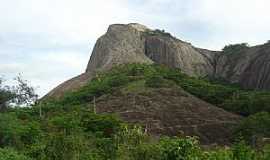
(78, 134)
(248, 102)
(180, 149)
(105, 124)
(158, 32)
(255, 127)
(69, 147)
(70, 129)
(156, 81)
(17, 133)
(10, 154)
(235, 48)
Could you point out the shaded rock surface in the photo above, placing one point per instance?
(251, 68)
(171, 111)
(135, 43)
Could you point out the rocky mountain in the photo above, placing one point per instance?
(172, 110)
(135, 43)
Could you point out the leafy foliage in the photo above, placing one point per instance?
(5, 95)
(76, 133)
(70, 129)
(248, 102)
(17, 133)
(180, 149)
(235, 48)
(158, 32)
(255, 127)
(10, 154)
(21, 94)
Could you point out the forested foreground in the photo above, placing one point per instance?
(76, 133)
(70, 129)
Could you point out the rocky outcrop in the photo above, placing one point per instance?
(177, 54)
(171, 111)
(121, 44)
(135, 43)
(249, 68)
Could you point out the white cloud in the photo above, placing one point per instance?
(233, 21)
(49, 40)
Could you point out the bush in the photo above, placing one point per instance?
(10, 154)
(158, 32)
(241, 151)
(254, 127)
(155, 81)
(248, 102)
(106, 125)
(235, 48)
(16, 133)
(220, 154)
(69, 147)
(180, 149)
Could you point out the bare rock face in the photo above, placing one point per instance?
(177, 54)
(70, 85)
(257, 74)
(121, 44)
(250, 68)
(135, 43)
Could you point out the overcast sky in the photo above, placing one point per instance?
(50, 41)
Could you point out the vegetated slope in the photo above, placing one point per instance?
(171, 111)
(150, 95)
(135, 43)
(69, 128)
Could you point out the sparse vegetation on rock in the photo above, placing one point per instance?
(235, 48)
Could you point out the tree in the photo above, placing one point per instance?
(20, 94)
(5, 95)
(255, 127)
(235, 48)
(24, 93)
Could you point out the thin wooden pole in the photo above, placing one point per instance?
(94, 101)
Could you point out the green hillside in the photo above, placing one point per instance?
(69, 129)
